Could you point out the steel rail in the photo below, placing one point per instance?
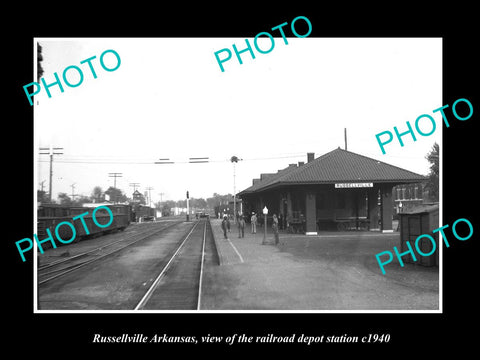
(59, 262)
(201, 267)
(78, 266)
(154, 285)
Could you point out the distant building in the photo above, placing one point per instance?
(137, 197)
(226, 208)
(178, 210)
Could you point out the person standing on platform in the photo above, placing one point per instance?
(225, 226)
(275, 228)
(254, 223)
(289, 221)
(241, 226)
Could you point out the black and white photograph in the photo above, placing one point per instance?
(300, 180)
(260, 187)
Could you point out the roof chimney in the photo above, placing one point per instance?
(300, 163)
(310, 157)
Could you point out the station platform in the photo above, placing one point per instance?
(328, 271)
(233, 249)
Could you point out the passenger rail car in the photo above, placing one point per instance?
(50, 215)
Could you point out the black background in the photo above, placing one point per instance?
(411, 334)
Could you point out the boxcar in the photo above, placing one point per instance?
(143, 213)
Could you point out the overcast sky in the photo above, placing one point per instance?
(169, 99)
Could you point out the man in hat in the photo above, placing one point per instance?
(275, 228)
(254, 223)
(225, 226)
(241, 226)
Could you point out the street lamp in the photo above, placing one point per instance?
(265, 213)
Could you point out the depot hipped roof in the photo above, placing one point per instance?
(337, 166)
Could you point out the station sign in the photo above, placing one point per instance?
(353, 185)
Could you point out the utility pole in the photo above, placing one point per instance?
(115, 175)
(161, 199)
(51, 152)
(149, 195)
(134, 185)
(160, 204)
(188, 207)
(234, 160)
(73, 191)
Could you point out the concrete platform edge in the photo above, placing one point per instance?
(221, 258)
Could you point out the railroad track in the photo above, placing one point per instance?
(179, 284)
(59, 268)
(150, 275)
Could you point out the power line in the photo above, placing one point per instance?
(134, 185)
(120, 161)
(165, 161)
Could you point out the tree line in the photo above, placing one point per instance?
(198, 204)
(113, 194)
(97, 196)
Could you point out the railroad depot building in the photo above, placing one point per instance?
(338, 190)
